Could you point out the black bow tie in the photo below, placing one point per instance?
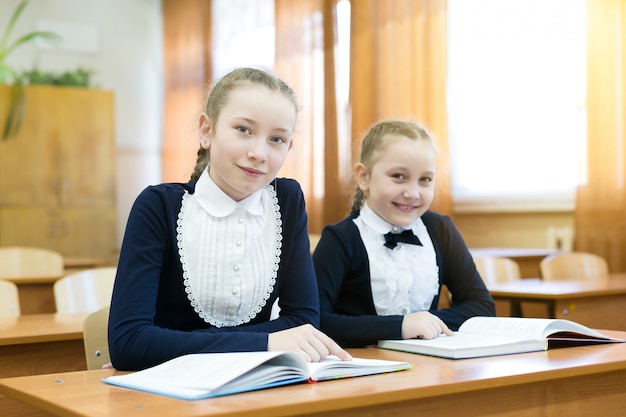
(407, 236)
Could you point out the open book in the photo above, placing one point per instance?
(490, 336)
(205, 375)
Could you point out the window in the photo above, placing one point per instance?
(243, 34)
(516, 103)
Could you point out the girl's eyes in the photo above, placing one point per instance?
(277, 139)
(243, 129)
(274, 139)
(402, 177)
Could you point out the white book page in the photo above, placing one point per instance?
(527, 328)
(515, 327)
(461, 341)
(197, 371)
(332, 366)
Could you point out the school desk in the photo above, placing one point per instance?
(575, 381)
(36, 294)
(527, 259)
(39, 344)
(596, 304)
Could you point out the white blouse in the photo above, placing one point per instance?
(229, 251)
(404, 279)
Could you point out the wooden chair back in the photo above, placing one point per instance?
(580, 266)
(9, 299)
(19, 261)
(96, 340)
(495, 269)
(84, 291)
(313, 239)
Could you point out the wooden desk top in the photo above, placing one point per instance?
(38, 328)
(513, 252)
(431, 379)
(536, 288)
(72, 263)
(47, 279)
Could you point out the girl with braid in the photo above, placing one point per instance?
(202, 262)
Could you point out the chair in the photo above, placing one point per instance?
(9, 299)
(18, 261)
(579, 266)
(495, 269)
(314, 238)
(96, 339)
(85, 291)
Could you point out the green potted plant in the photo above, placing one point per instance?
(8, 75)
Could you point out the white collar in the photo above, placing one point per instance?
(217, 203)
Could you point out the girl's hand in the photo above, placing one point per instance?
(306, 340)
(423, 325)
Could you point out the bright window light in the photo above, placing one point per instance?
(516, 102)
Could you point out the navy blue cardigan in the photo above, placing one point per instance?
(347, 308)
(151, 319)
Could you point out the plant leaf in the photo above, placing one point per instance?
(15, 116)
(12, 20)
(28, 38)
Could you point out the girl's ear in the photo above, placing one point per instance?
(204, 124)
(362, 176)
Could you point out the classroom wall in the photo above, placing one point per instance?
(549, 230)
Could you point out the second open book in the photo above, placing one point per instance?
(490, 336)
(205, 375)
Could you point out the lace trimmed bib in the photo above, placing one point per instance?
(230, 264)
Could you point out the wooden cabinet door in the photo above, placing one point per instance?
(57, 176)
(89, 232)
(86, 148)
(29, 226)
(28, 161)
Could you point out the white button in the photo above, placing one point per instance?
(234, 291)
(240, 220)
(238, 243)
(395, 229)
(236, 268)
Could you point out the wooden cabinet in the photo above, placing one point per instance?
(57, 176)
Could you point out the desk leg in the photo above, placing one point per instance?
(516, 309)
(36, 298)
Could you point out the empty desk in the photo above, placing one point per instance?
(594, 304)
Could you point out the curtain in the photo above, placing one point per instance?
(305, 40)
(600, 215)
(398, 70)
(401, 74)
(187, 71)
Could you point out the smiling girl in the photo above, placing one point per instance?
(202, 262)
(381, 269)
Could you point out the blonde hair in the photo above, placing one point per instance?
(219, 96)
(375, 141)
